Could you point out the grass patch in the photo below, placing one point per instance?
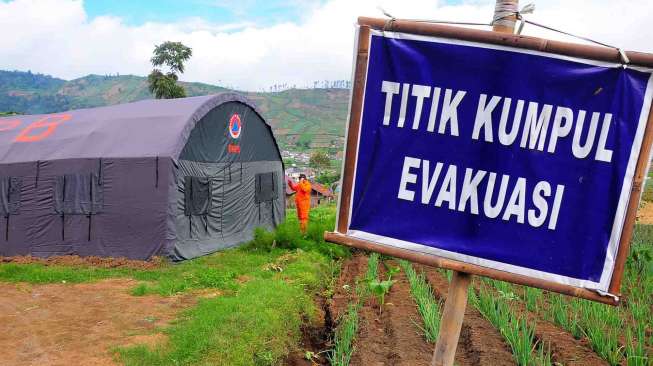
(288, 236)
(256, 326)
(37, 273)
(140, 290)
(268, 287)
(258, 321)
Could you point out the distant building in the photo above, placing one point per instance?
(294, 172)
(320, 194)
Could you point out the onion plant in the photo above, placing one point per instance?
(428, 307)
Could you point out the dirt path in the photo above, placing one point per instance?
(480, 342)
(645, 213)
(63, 324)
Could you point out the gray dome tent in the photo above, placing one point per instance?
(179, 178)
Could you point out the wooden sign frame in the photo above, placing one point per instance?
(531, 43)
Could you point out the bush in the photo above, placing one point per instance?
(288, 236)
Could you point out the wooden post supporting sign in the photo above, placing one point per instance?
(452, 320)
(456, 303)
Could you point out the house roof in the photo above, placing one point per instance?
(323, 190)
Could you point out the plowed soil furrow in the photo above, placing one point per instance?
(374, 342)
(391, 338)
(401, 314)
(345, 288)
(480, 342)
(316, 337)
(565, 349)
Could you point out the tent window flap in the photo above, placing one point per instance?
(78, 194)
(265, 187)
(10, 195)
(197, 196)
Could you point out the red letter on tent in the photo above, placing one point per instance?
(50, 123)
(9, 124)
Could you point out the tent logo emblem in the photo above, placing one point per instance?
(235, 126)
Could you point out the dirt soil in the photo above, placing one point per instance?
(63, 324)
(393, 337)
(73, 260)
(645, 213)
(317, 337)
(480, 342)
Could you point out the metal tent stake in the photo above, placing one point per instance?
(456, 303)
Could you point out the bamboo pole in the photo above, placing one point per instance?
(590, 52)
(353, 128)
(505, 24)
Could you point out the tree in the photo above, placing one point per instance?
(319, 161)
(328, 178)
(172, 55)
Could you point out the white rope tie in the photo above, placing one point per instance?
(503, 11)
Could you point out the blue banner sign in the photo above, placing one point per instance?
(511, 159)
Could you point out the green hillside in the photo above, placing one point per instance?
(301, 118)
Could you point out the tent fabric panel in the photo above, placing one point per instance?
(233, 214)
(212, 141)
(132, 223)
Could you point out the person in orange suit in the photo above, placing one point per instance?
(302, 200)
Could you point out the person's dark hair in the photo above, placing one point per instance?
(302, 176)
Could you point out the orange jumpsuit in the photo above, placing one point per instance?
(302, 201)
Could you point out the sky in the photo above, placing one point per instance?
(251, 45)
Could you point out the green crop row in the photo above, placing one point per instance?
(517, 331)
(428, 307)
(343, 341)
(345, 334)
(605, 326)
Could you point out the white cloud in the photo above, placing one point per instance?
(57, 37)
